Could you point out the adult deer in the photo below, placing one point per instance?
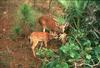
(51, 24)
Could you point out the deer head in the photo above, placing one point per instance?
(63, 27)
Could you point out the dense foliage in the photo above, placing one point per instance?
(83, 46)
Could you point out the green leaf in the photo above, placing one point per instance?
(88, 56)
(65, 65)
(97, 52)
(58, 66)
(60, 20)
(62, 65)
(86, 42)
(49, 53)
(65, 3)
(72, 54)
(64, 49)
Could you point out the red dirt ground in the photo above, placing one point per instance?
(13, 54)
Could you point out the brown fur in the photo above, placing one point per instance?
(35, 37)
(51, 24)
(48, 22)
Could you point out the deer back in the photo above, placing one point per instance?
(39, 36)
(48, 22)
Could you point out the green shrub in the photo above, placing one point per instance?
(83, 30)
(25, 14)
(24, 21)
(44, 52)
(83, 46)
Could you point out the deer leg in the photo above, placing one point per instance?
(43, 29)
(41, 45)
(45, 43)
(33, 48)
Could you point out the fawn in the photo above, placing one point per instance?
(36, 37)
(51, 24)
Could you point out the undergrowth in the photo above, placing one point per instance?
(83, 47)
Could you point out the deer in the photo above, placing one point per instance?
(36, 37)
(45, 37)
(51, 24)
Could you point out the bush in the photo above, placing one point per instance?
(82, 48)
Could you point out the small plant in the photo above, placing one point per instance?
(71, 50)
(16, 31)
(57, 64)
(45, 52)
(50, 59)
(24, 21)
(26, 15)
